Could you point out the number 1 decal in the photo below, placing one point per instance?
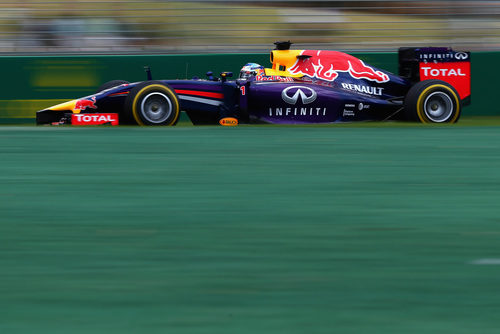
(242, 88)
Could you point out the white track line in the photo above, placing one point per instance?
(486, 262)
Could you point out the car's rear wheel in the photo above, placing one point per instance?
(111, 84)
(152, 103)
(432, 101)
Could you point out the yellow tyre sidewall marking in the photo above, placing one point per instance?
(162, 88)
(420, 103)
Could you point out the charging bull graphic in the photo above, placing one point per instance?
(83, 104)
(326, 65)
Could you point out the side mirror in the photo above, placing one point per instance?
(225, 75)
(210, 76)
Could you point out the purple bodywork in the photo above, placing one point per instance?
(296, 102)
(292, 101)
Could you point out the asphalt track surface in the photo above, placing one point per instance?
(268, 229)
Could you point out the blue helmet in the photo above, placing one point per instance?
(250, 70)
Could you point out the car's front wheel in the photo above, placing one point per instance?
(432, 101)
(152, 103)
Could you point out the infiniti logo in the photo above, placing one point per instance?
(461, 55)
(306, 94)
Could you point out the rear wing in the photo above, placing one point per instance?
(418, 64)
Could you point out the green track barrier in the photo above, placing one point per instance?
(31, 83)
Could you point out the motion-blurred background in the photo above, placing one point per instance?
(160, 26)
(337, 229)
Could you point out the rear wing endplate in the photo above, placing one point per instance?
(453, 67)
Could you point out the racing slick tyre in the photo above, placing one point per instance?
(111, 84)
(152, 103)
(432, 101)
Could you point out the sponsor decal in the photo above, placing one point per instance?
(443, 56)
(94, 119)
(83, 104)
(292, 94)
(436, 56)
(326, 65)
(348, 113)
(351, 112)
(273, 78)
(228, 121)
(297, 111)
(442, 72)
(362, 106)
(363, 89)
(455, 73)
(461, 56)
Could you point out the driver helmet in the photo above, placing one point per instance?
(250, 70)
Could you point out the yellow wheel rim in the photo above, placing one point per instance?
(155, 88)
(426, 93)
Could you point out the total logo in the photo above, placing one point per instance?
(445, 72)
(94, 119)
(456, 74)
(292, 94)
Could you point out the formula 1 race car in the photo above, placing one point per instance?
(303, 86)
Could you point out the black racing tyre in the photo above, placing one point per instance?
(432, 101)
(152, 103)
(110, 84)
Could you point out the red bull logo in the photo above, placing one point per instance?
(86, 103)
(326, 65)
(273, 78)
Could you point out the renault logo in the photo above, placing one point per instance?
(306, 94)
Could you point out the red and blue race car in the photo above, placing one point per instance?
(301, 87)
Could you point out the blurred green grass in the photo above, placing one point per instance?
(274, 229)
